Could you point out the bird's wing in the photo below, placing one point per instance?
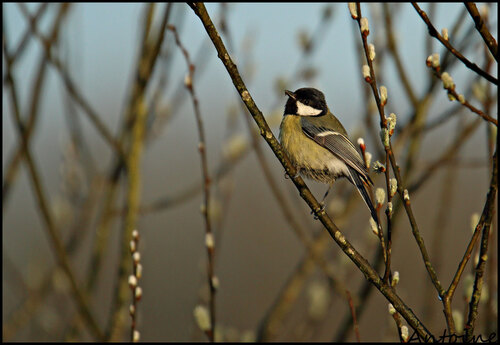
(336, 143)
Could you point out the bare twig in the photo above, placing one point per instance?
(212, 279)
(353, 313)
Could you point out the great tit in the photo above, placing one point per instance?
(317, 143)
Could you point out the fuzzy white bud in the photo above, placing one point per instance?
(395, 278)
(461, 98)
(136, 257)
(383, 95)
(406, 195)
(365, 29)
(209, 240)
(188, 81)
(384, 136)
(391, 122)
(391, 308)
(353, 10)
(133, 246)
(404, 333)
(371, 51)
(368, 156)
(215, 282)
(138, 271)
(361, 142)
(435, 60)
(380, 196)
(135, 235)
(366, 71)
(447, 81)
(136, 336)
(394, 185)
(132, 281)
(202, 318)
(444, 33)
(138, 293)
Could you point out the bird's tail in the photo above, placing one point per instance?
(357, 180)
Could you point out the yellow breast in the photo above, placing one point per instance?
(310, 158)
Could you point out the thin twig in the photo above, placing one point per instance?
(460, 98)
(353, 313)
(434, 33)
(206, 183)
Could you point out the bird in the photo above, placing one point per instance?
(318, 145)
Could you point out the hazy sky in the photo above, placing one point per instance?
(102, 39)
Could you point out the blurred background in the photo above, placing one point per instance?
(75, 95)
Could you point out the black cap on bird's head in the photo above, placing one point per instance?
(306, 101)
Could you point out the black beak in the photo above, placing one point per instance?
(290, 94)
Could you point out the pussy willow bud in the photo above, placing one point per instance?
(444, 33)
(383, 95)
(371, 51)
(366, 73)
(404, 333)
(202, 318)
(365, 30)
(394, 186)
(380, 196)
(447, 81)
(353, 10)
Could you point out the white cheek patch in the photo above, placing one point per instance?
(305, 110)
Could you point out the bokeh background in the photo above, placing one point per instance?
(275, 46)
